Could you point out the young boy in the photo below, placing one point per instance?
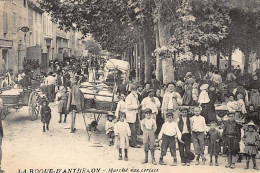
(198, 128)
(45, 114)
(109, 127)
(167, 134)
(185, 129)
(148, 126)
(232, 135)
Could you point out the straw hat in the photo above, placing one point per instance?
(251, 123)
(204, 87)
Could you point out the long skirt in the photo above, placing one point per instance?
(62, 107)
(209, 113)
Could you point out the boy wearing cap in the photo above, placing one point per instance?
(167, 134)
(148, 126)
(232, 135)
(198, 128)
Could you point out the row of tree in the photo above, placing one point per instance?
(167, 28)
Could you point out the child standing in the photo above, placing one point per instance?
(167, 134)
(121, 105)
(198, 128)
(109, 127)
(185, 129)
(214, 147)
(62, 98)
(45, 114)
(251, 139)
(122, 133)
(232, 135)
(148, 126)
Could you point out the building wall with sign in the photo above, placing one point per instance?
(13, 16)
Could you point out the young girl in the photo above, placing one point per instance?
(62, 98)
(45, 114)
(109, 127)
(122, 133)
(251, 139)
(148, 126)
(213, 147)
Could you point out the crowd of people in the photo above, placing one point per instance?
(178, 113)
(184, 111)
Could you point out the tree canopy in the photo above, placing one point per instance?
(196, 25)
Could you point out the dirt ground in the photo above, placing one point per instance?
(27, 149)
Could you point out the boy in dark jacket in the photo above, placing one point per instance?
(232, 135)
(184, 126)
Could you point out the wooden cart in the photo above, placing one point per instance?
(22, 97)
(94, 109)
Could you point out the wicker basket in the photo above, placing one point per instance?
(10, 99)
(89, 103)
(106, 106)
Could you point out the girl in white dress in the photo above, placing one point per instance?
(122, 135)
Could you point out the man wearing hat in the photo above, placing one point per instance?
(132, 109)
(171, 101)
(151, 102)
(232, 135)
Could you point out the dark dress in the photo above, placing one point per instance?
(159, 119)
(45, 114)
(214, 137)
(208, 109)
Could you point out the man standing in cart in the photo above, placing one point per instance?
(1, 134)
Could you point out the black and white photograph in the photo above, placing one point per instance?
(129, 86)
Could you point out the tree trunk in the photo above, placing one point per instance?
(218, 59)
(159, 75)
(136, 63)
(148, 60)
(167, 64)
(247, 54)
(141, 51)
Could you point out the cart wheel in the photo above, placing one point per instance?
(33, 105)
(4, 113)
